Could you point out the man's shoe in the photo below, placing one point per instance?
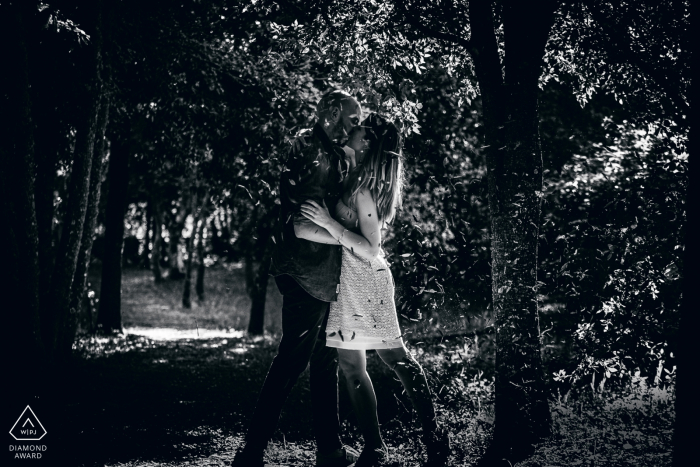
(342, 457)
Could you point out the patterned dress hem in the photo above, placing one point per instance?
(356, 344)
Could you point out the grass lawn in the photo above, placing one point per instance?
(174, 392)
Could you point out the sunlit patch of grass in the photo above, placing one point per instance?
(226, 305)
(91, 347)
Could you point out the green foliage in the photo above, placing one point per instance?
(209, 107)
(612, 254)
(439, 244)
(637, 51)
(359, 46)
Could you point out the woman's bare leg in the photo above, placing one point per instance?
(353, 363)
(413, 379)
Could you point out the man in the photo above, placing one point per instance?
(307, 274)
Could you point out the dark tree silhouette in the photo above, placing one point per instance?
(187, 286)
(686, 405)
(148, 223)
(514, 161)
(258, 286)
(96, 176)
(109, 317)
(154, 202)
(199, 283)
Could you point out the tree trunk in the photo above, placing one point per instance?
(157, 238)
(686, 411)
(199, 287)
(109, 318)
(17, 173)
(248, 234)
(256, 284)
(175, 232)
(145, 260)
(258, 294)
(514, 163)
(187, 289)
(96, 178)
(249, 270)
(60, 337)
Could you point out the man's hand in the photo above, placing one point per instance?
(307, 230)
(316, 213)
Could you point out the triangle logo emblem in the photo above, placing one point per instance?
(28, 427)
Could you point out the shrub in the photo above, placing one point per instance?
(612, 248)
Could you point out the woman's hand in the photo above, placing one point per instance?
(316, 213)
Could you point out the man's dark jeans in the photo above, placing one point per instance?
(303, 317)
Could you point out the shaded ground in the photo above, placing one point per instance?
(137, 400)
(164, 396)
(158, 396)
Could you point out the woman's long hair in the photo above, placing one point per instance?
(381, 170)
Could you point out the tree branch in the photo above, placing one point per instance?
(445, 36)
(619, 48)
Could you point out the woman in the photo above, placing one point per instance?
(364, 317)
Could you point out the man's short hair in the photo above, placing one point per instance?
(332, 98)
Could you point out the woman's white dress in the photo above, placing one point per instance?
(364, 316)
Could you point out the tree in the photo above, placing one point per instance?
(201, 252)
(156, 209)
(259, 232)
(682, 435)
(96, 180)
(195, 245)
(109, 314)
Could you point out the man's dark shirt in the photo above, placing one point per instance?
(314, 171)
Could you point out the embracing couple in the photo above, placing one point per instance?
(338, 291)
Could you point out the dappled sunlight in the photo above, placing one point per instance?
(170, 346)
(168, 334)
